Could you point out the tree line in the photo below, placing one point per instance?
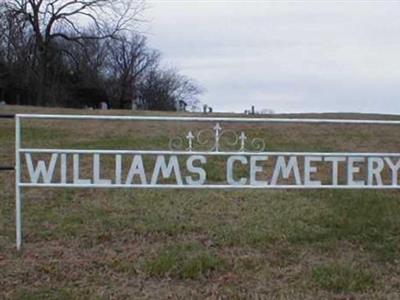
(77, 53)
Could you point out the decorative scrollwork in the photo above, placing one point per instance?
(216, 140)
(230, 138)
(176, 143)
(204, 140)
(258, 144)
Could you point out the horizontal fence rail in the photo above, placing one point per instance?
(7, 168)
(211, 119)
(208, 186)
(2, 116)
(222, 153)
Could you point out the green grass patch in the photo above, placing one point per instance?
(340, 278)
(184, 261)
(366, 217)
(44, 136)
(123, 142)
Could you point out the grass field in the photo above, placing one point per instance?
(179, 244)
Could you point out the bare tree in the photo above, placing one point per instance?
(130, 59)
(17, 49)
(86, 65)
(81, 52)
(60, 19)
(165, 90)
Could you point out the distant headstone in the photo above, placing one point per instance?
(134, 104)
(103, 106)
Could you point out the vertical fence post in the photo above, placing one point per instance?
(18, 221)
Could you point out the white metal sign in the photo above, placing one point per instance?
(246, 162)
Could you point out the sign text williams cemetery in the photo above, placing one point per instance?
(205, 158)
(183, 166)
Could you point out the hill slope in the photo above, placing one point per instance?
(196, 244)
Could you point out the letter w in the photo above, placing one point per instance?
(41, 169)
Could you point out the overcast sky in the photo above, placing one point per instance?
(297, 56)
